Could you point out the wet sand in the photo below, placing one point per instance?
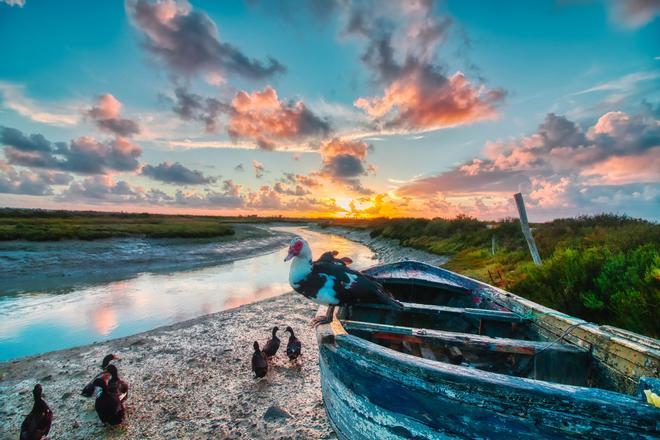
(192, 379)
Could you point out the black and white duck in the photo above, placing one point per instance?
(37, 424)
(108, 405)
(88, 390)
(117, 384)
(273, 344)
(259, 362)
(294, 346)
(331, 283)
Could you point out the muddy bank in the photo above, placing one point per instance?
(189, 380)
(386, 250)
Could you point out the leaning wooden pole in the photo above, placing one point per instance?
(524, 225)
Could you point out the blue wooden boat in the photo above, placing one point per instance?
(464, 359)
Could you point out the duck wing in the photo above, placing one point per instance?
(331, 283)
(293, 348)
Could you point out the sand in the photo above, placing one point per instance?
(191, 379)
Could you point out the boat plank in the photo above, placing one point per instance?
(479, 342)
(485, 314)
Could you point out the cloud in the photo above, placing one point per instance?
(192, 107)
(624, 84)
(176, 173)
(557, 165)
(13, 98)
(258, 169)
(296, 190)
(300, 179)
(103, 189)
(187, 41)
(634, 13)
(19, 3)
(401, 48)
(229, 197)
(106, 116)
(29, 182)
(84, 155)
(344, 161)
(262, 117)
(239, 168)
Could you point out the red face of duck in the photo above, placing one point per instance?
(295, 248)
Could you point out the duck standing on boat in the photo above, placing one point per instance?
(37, 424)
(330, 283)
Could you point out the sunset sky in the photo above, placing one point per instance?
(331, 107)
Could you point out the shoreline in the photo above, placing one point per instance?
(192, 379)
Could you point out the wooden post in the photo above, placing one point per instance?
(524, 225)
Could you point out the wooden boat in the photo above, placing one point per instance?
(464, 359)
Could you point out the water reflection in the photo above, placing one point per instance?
(36, 322)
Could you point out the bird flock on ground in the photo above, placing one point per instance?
(328, 281)
(261, 357)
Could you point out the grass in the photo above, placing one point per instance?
(62, 225)
(603, 268)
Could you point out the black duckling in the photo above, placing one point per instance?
(294, 347)
(259, 362)
(331, 257)
(37, 424)
(116, 384)
(273, 344)
(88, 391)
(108, 405)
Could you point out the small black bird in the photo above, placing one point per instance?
(294, 347)
(116, 384)
(108, 405)
(273, 344)
(88, 391)
(37, 424)
(331, 257)
(259, 362)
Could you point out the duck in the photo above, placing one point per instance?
(37, 424)
(330, 283)
(108, 405)
(294, 346)
(331, 257)
(117, 384)
(88, 390)
(259, 362)
(273, 344)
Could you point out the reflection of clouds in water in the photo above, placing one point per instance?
(150, 300)
(256, 294)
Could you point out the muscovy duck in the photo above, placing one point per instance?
(117, 384)
(259, 362)
(88, 391)
(37, 424)
(331, 257)
(294, 346)
(273, 344)
(330, 283)
(108, 405)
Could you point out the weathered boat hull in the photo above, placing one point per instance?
(374, 392)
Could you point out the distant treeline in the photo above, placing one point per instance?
(603, 268)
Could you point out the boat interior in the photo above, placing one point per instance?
(451, 324)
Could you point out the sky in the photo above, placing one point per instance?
(341, 108)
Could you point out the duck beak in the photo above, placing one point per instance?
(289, 256)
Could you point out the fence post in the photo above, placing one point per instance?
(524, 225)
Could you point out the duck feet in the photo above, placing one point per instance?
(327, 319)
